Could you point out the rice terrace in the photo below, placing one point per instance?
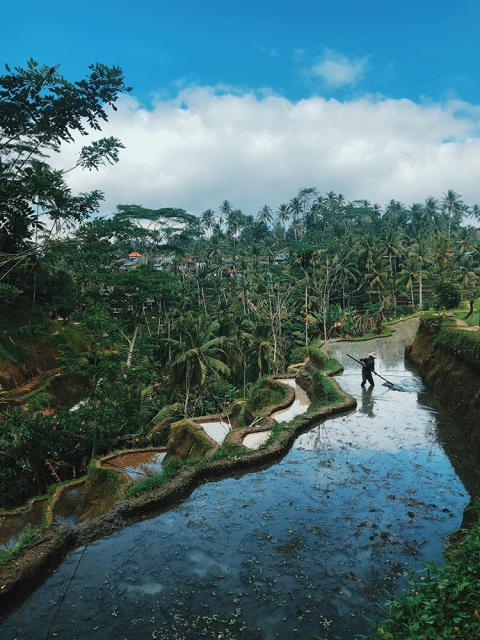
(240, 322)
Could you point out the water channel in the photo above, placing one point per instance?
(305, 548)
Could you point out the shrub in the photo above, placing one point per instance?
(264, 393)
(39, 401)
(318, 357)
(448, 294)
(298, 354)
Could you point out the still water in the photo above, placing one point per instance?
(305, 548)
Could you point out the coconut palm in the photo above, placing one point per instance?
(197, 352)
(453, 207)
(207, 219)
(391, 241)
(283, 213)
(265, 215)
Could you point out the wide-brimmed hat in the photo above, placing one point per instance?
(373, 355)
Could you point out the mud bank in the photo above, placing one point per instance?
(18, 577)
(454, 380)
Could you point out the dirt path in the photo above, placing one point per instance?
(461, 324)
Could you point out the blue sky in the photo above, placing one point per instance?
(250, 101)
(415, 49)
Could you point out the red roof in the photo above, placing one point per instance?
(134, 254)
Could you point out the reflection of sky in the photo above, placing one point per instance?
(385, 420)
(323, 533)
(216, 429)
(298, 406)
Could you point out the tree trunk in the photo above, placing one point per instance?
(306, 313)
(470, 310)
(131, 344)
(325, 334)
(187, 388)
(420, 292)
(244, 375)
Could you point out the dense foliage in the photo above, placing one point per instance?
(150, 315)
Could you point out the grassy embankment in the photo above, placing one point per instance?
(461, 312)
(326, 393)
(264, 395)
(445, 602)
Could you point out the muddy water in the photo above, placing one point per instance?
(138, 465)
(304, 548)
(13, 526)
(68, 509)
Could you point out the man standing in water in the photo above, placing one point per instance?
(368, 365)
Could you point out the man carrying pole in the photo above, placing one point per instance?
(368, 366)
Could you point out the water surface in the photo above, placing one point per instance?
(304, 548)
(138, 464)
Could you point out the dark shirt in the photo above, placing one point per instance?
(369, 363)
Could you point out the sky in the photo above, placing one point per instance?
(249, 101)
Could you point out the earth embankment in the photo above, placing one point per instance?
(446, 356)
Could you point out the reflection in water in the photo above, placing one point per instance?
(255, 440)
(13, 526)
(138, 464)
(68, 509)
(367, 402)
(216, 429)
(320, 536)
(298, 406)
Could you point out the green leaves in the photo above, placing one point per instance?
(40, 111)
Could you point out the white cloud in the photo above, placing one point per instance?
(336, 70)
(204, 147)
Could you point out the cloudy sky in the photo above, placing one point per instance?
(249, 101)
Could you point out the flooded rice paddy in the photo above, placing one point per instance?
(255, 440)
(13, 525)
(305, 548)
(216, 429)
(69, 507)
(138, 464)
(298, 406)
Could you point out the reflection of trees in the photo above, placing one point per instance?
(317, 439)
(447, 431)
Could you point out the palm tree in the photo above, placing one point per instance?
(392, 243)
(476, 212)
(420, 252)
(208, 219)
(295, 208)
(263, 346)
(283, 213)
(454, 208)
(265, 215)
(197, 352)
(376, 276)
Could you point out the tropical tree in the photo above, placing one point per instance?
(265, 215)
(41, 111)
(197, 352)
(208, 219)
